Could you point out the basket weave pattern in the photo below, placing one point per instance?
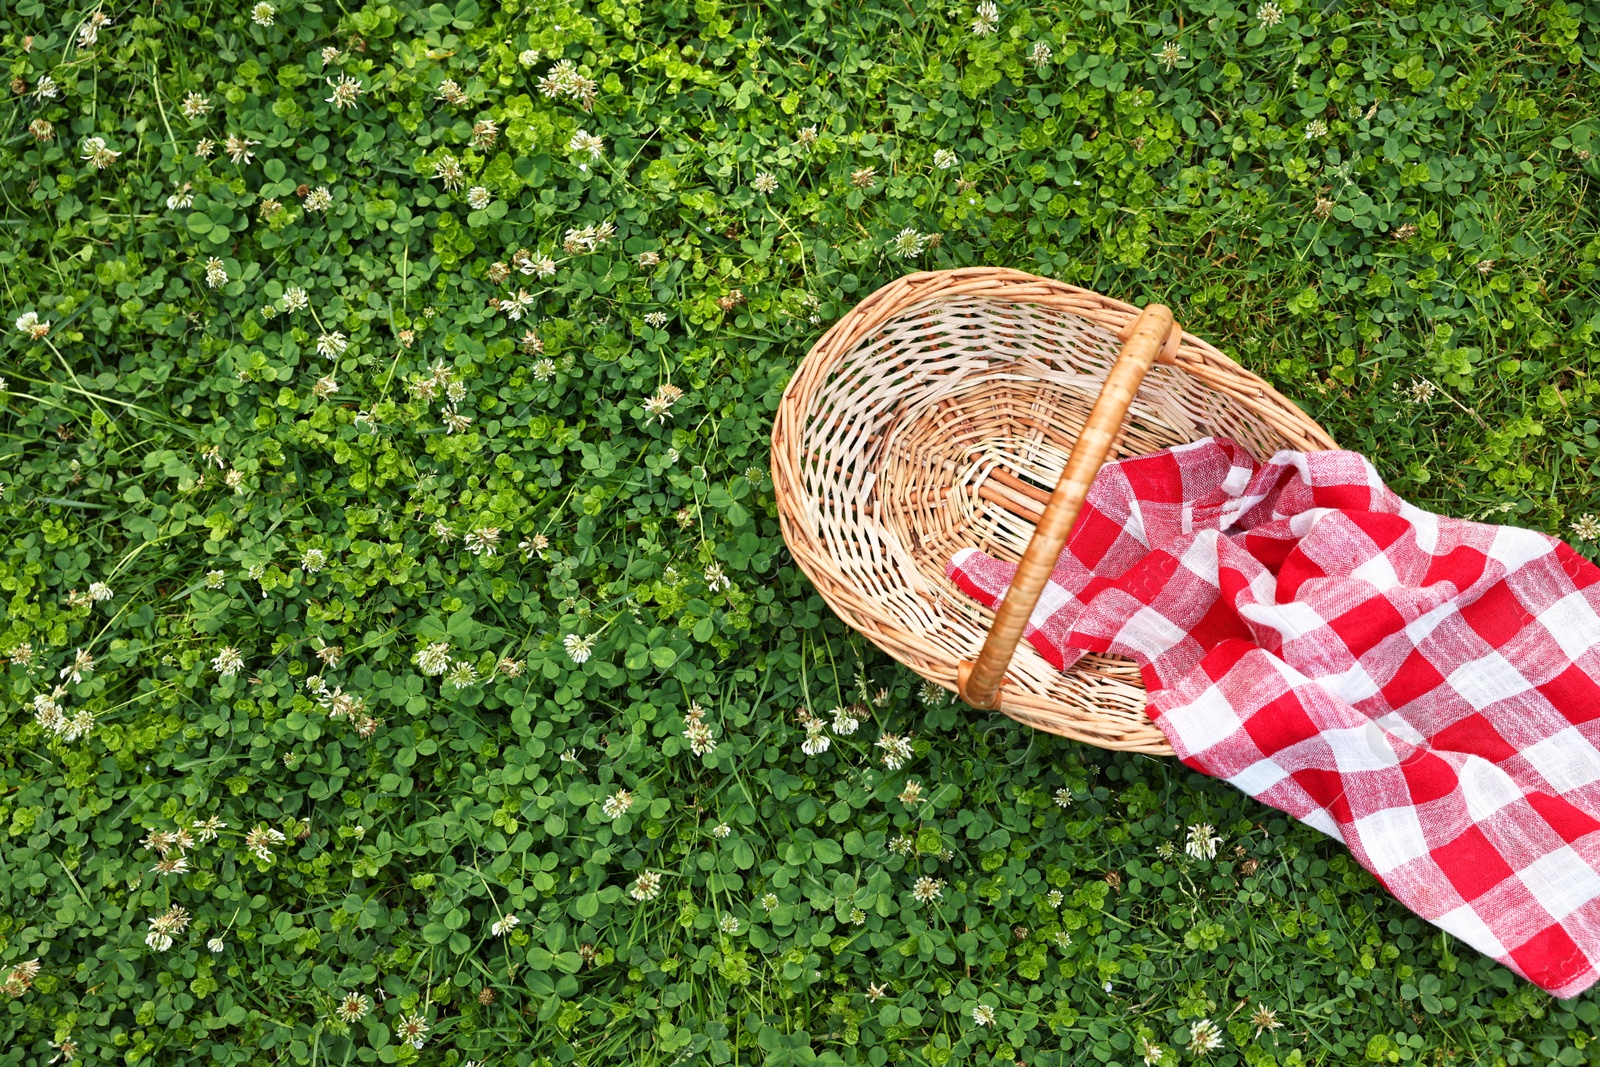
(938, 415)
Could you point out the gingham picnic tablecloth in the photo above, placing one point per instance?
(1422, 688)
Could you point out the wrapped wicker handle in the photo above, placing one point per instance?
(1150, 335)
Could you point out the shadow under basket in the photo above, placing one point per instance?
(940, 414)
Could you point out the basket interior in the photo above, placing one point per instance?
(947, 428)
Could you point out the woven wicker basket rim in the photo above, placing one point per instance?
(1102, 717)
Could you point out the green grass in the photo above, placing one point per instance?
(1351, 200)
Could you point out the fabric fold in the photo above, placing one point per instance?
(1422, 688)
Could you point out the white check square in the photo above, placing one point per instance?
(1469, 926)
(1573, 623)
(1203, 722)
(1360, 748)
(1561, 881)
(1566, 760)
(1488, 679)
(1391, 838)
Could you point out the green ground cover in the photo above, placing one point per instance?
(366, 587)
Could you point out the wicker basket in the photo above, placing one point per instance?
(971, 408)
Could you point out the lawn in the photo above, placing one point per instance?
(402, 662)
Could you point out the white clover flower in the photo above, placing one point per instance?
(81, 724)
(701, 741)
(658, 408)
(1151, 1053)
(216, 944)
(411, 1029)
(263, 14)
(454, 421)
(313, 560)
(1586, 527)
(238, 148)
(944, 159)
(99, 591)
(163, 927)
(319, 199)
(332, 345)
(845, 721)
(447, 169)
(259, 842)
(571, 756)
(462, 674)
(583, 142)
(325, 387)
(896, 750)
(452, 93)
(478, 198)
(331, 55)
(354, 1007)
(295, 298)
(483, 540)
(617, 804)
(346, 92)
(1041, 54)
(564, 79)
(227, 662)
(646, 887)
(195, 105)
(1204, 1036)
(716, 580)
(1170, 55)
(514, 307)
(908, 243)
(183, 198)
(504, 926)
(983, 1015)
(204, 148)
(764, 183)
(911, 795)
(1203, 842)
(721, 830)
(433, 660)
(82, 664)
(1316, 128)
(45, 89)
(89, 32)
(927, 889)
(1269, 14)
(655, 320)
(578, 648)
(97, 154)
(728, 925)
(30, 324)
(216, 273)
(817, 742)
(987, 19)
(1063, 797)
(214, 579)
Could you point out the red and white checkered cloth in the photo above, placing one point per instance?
(1424, 689)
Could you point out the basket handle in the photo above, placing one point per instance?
(1143, 339)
